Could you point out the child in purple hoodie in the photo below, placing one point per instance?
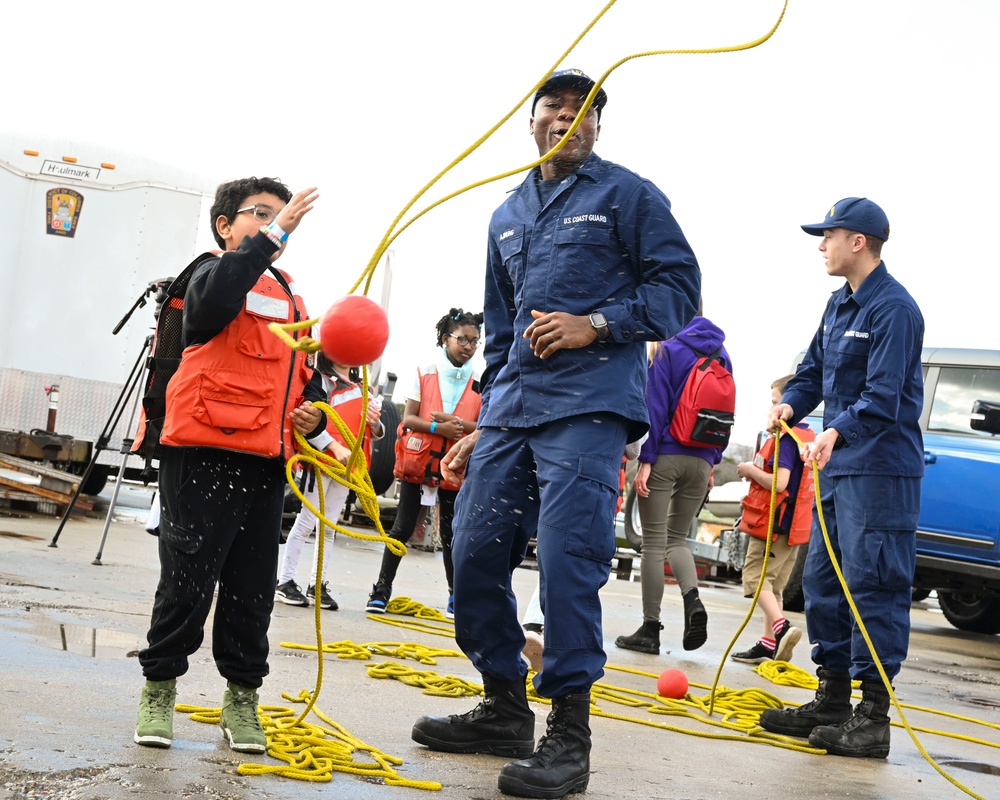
(671, 485)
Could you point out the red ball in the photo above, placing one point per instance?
(354, 331)
(672, 683)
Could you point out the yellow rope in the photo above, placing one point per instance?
(740, 709)
(313, 752)
(404, 650)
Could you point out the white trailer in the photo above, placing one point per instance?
(85, 235)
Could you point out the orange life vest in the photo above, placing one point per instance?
(757, 503)
(236, 390)
(418, 454)
(346, 400)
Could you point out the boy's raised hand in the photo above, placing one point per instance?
(301, 204)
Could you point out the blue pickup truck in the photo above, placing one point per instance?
(958, 534)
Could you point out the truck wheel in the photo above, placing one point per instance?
(916, 595)
(384, 450)
(96, 480)
(792, 598)
(633, 527)
(971, 611)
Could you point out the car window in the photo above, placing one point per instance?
(957, 389)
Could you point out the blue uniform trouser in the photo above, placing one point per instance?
(872, 522)
(559, 483)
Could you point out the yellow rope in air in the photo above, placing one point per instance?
(392, 233)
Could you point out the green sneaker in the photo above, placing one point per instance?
(240, 724)
(156, 714)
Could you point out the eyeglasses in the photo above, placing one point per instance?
(465, 341)
(263, 214)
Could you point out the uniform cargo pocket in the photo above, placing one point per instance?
(589, 519)
(889, 544)
(231, 400)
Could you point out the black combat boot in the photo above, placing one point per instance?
(831, 706)
(561, 764)
(644, 640)
(501, 725)
(866, 734)
(695, 621)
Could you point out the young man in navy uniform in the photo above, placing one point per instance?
(586, 264)
(864, 364)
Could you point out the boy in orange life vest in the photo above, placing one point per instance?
(230, 411)
(442, 406)
(345, 394)
(792, 523)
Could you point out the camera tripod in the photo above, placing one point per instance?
(131, 390)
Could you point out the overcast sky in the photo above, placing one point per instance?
(369, 100)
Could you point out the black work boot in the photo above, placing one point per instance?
(866, 734)
(561, 764)
(831, 706)
(644, 640)
(501, 725)
(695, 621)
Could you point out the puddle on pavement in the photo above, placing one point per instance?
(982, 702)
(12, 535)
(86, 641)
(972, 766)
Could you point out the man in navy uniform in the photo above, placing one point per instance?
(864, 364)
(586, 264)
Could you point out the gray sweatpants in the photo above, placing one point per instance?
(677, 486)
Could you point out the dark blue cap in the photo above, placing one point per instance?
(855, 214)
(571, 77)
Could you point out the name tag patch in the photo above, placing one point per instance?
(265, 306)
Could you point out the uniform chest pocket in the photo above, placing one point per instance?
(511, 246)
(854, 347)
(851, 366)
(585, 254)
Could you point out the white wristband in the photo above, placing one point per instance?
(321, 440)
(275, 231)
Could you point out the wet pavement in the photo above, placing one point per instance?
(69, 631)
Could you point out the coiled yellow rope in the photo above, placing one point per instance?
(313, 752)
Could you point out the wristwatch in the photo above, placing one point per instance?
(600, 324)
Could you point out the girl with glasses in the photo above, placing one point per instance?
(442, 406)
